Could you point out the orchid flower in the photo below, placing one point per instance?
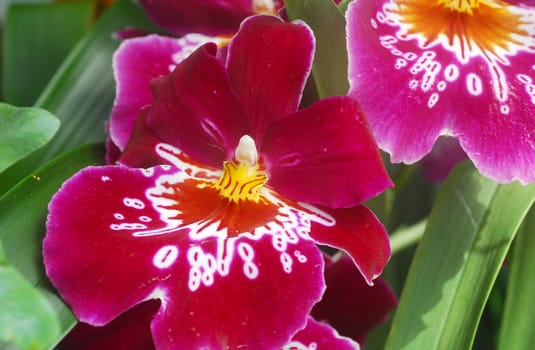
(349, 303)
(223, 228)
(421, 69)
(131, 331)
(208, 17)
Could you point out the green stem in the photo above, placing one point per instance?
(405, 237)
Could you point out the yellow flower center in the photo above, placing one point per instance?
(471, 27)
(242, 179)
(462, 6)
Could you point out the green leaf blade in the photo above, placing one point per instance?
(37, 38)
(328, 24)
(81, 92)
(466, 240)
(27, 319)
(516, 331)
(22, 131)
(23, 213)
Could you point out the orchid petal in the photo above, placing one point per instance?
(358, 233)
(118, 236)
(325, 154)
(136, 62)
(349, 304)
(195, 109)
(211, 17)
(421, 70)
(268, 63)
(440, 161)
(317, 335)
(129, 331)
(140, 151)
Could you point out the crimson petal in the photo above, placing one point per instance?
(317, 335)
(325, 154)
(349, 304)
(130, 331)
(136, 62)
(358, 233)
(211, 17)
(195, 109)
(268, 63)
(113, 242)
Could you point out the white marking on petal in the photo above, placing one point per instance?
(297, 345)
(145, 218)
(105, 178)
(287, 262)
(474, 84)
(118, 216)
(165, 256)
(433, 99)
(451, 73)
(127, 226)
(524, 79)
(134, 203)
(148, 172)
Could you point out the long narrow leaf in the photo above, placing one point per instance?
(22, 218)
(464, 245)
(518, 320)
(330, 61)
(36, 40)
(82, 91)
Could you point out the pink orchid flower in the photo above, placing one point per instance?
(349, 303)
(208, 17)
(421, 69)
(224, 231)
(131, 331)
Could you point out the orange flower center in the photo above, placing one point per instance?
(471, 27)
(234, 201)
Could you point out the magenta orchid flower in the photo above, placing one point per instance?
(131, 331)
(208, 17)
(421, 69)
(224, 233)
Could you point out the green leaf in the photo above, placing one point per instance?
(23, 212)
(465, 243)
(37, 38)
(517, 326)
(81, 92)
(22, 131)
(328, 24)
(26, 317)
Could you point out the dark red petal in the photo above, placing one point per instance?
(129, 331)
(212, 17)
(195, 109)
(117, 236)
(358, 233)
(135, 64)
(140, 151)
(349, 304)
(268, 62)
(325, 154)
(320, 336)
(445, 155)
